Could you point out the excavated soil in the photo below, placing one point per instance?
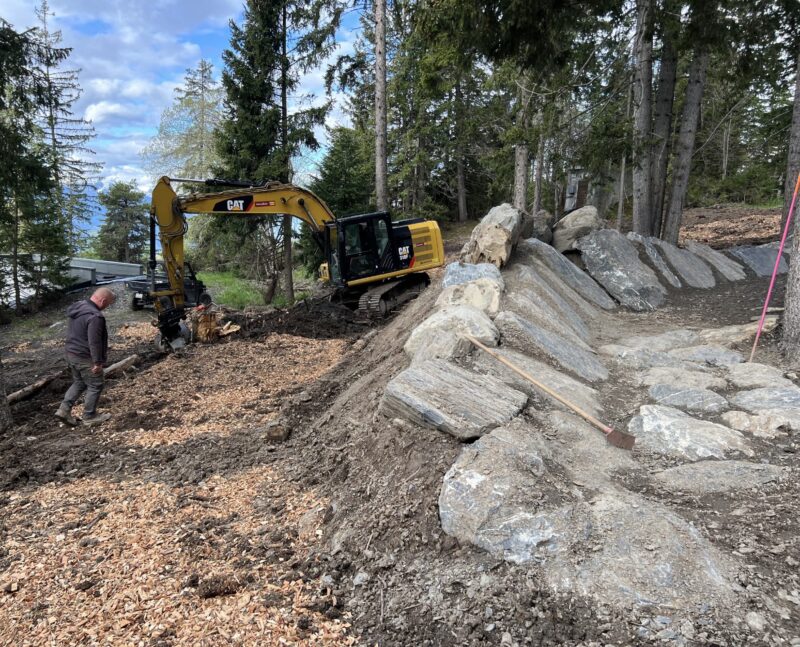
(182, 522)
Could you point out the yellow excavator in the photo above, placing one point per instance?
(372, 263)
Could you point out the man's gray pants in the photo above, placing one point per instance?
(83, 380)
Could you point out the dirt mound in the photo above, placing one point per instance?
(724, 226)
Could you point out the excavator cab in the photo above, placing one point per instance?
(361, 247)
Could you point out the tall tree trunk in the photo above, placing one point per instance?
(521, 176)
(5, 409)
(622, 163)
(288, 279)
(791, 317)
(537, 189)
(381, 169)
(461, 180)
(662, 125)
(521, 152)
(793, 161)
(642, 109)
(686, 137)
(15, 260)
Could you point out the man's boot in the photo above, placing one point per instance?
(96, 419)
(64, 413)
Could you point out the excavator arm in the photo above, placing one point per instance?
(168, 211)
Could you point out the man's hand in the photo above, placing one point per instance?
(97, 369)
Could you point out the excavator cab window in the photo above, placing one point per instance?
(363, 247)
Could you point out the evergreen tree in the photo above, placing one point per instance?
(184, 144)
(25, 177)
(125, 231)
(66, 136)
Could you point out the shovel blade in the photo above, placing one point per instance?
(621, 439)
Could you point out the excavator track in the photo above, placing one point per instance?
(379, 301)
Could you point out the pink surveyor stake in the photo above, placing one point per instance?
(775, 271)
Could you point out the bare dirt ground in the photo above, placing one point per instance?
(726, 225)
(180, 523)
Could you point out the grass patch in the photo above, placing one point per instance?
(230, 290)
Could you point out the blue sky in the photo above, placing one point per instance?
(132, 55)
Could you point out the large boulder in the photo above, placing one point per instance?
(457, 273)
(483, 294)
(542, 226)
(614, 263)
(671, 432)
(496, 496)
(494, 237)
(643, 358)
(528, 337)
(687, 379)
(761, 259)
(575, 225)
(573, 276)
(440, 335)
(691, 269)
(655, 258)
(727, 267)
(446, 397)
(734, 334)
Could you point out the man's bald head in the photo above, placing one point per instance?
(103, 297)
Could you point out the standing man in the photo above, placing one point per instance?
(87, 353)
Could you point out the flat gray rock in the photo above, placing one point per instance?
(613, 261)
(688, 398)
(584, 396)
(707, 477)
(492, 497)
(458, 273)
(528, 337)
(760, 259)
(534, 297)
(655, 258)
(680, 376)
(691, 269)
(711, 354)
(727, 267)
(446, 397)
(663, 342)
(755, 400)
(671, 432)
(748, 375)
(642, 358)
(766, 423)
(735, 334)
(573, 276)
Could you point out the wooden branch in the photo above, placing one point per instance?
(37, 386)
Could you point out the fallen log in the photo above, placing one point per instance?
(37, 386)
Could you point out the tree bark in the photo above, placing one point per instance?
(5, 410)
(381, 168)
(461, 179)
(537, 189)
(686, 137)
(793, 160)
(662, 127)
(521, 176)
(642, 112)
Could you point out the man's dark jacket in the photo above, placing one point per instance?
(87, 337)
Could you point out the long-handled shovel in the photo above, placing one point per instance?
(614, 437)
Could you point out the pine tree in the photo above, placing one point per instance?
(184, 144)
(124, 234)
(66, 136)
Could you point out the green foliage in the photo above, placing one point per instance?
(184, 145)
(230, 290)
(124, 234)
